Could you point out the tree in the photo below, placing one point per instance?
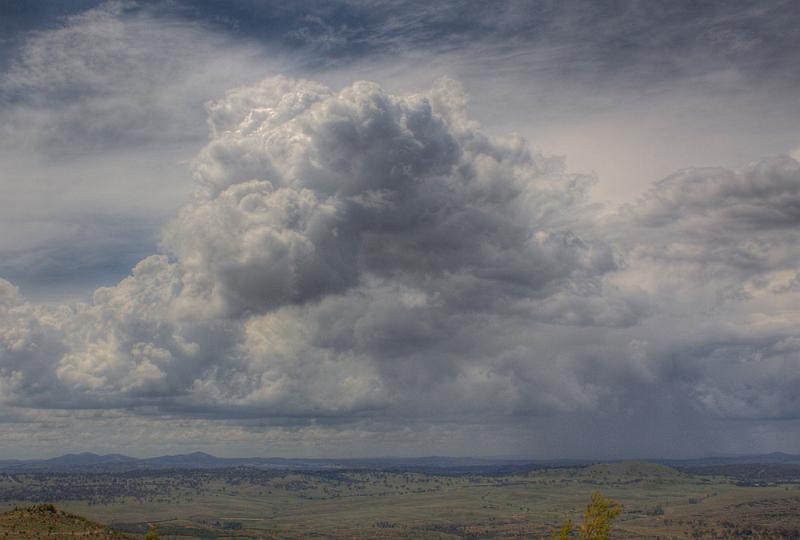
(152, 534)
(596, 520)
(565, 532)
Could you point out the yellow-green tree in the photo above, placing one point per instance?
(152, 534)
(596, 520)
(565, 532)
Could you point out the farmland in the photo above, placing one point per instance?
(658, 501)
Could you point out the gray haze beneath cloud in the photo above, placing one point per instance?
(355, 268)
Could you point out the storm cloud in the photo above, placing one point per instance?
(360, 256)
(328, 266)
(392, 213)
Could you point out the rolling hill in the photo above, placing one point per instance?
(46, 521)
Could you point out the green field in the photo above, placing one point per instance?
(659, 502)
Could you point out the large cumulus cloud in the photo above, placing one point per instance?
(347, 249)
(356, 254)
(324, 189)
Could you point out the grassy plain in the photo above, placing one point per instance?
(659, 502)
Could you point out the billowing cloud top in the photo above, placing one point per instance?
(361, 258)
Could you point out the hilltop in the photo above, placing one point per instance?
(638, 470)
(45, 521)
(619, 474)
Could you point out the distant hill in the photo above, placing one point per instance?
(89, 462)
(45, 520)
(87, 458)
(774, 457)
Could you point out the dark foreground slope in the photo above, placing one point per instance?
(46, 521)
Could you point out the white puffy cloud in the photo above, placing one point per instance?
(392, 213)
(325, 188)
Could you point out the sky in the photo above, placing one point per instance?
(353, 228)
